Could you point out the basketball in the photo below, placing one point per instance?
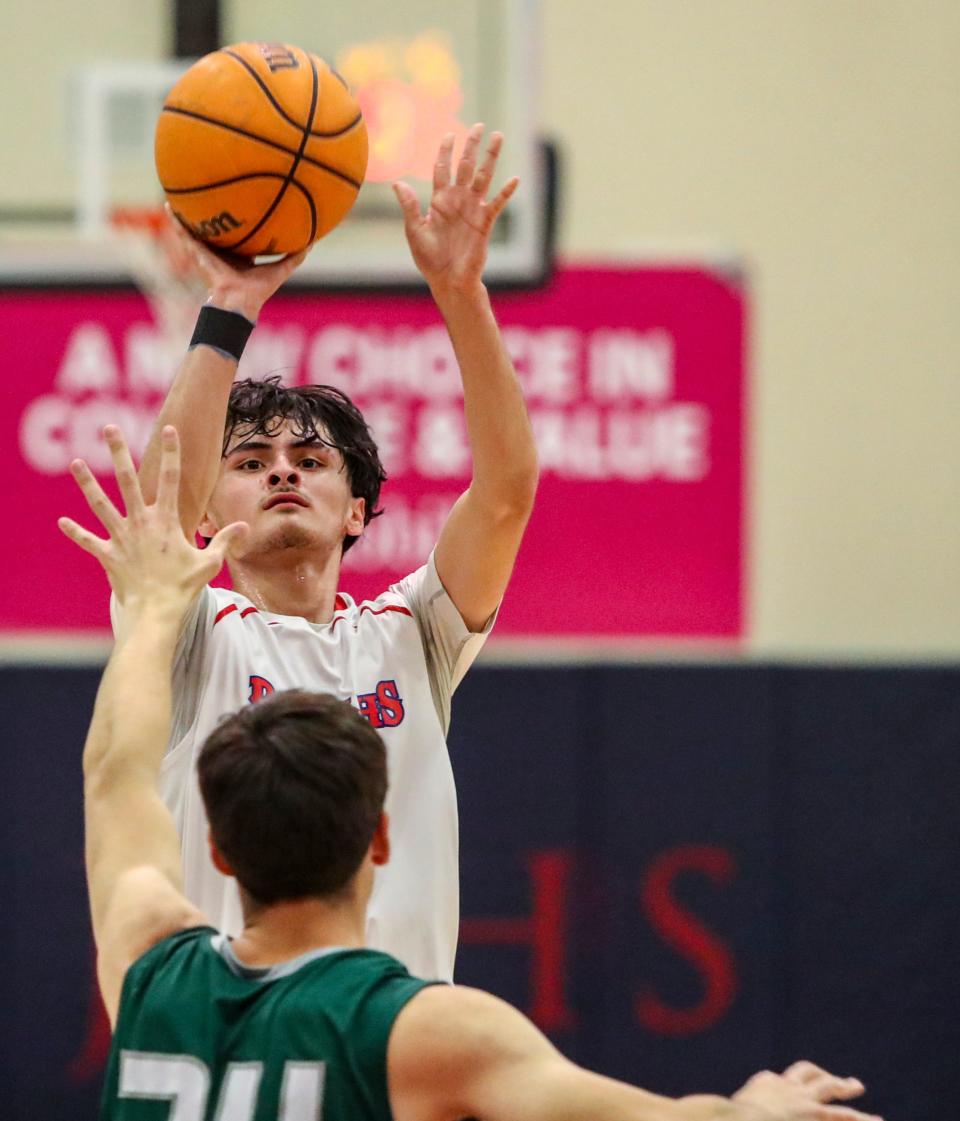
(261, 148)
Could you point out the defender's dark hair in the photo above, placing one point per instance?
(293, 788)
(260, 407)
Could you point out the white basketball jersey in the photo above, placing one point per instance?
(398, 659)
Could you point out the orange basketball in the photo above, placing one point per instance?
(261, 148)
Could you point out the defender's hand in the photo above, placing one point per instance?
(804, 1092)
(146, 556)
(234, 283)
(449, 242)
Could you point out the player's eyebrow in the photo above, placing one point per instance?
(249, 446)
(265, 445)
(311, 442)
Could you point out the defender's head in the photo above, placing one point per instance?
(294, 787)
(308, 444)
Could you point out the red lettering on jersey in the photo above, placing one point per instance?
(684, 933)
(391, 703)
(367, 704)
(384, 707)
(259, 688)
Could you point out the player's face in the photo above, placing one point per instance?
(294, 493)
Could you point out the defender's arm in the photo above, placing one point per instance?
(132, 848)
(457, 1052)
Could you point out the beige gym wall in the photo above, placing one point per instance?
(47, 41)
(819, 140)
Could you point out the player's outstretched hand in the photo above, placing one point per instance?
(146, 556)
(449, 242)
(234, 283)
(804, 1092)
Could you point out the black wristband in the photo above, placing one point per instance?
(226, 331)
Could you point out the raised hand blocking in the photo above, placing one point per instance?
(145, 555)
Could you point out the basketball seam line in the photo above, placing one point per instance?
(241, 178)
(224, 182)
(262, 140)
(279, 108)
(304, 137)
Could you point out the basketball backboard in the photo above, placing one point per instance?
(418, 72)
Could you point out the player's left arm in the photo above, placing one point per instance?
(132, 848)
(480, 540)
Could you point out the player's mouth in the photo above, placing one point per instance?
(284, 498)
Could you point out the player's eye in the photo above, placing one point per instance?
(310, 462)
(249, 465)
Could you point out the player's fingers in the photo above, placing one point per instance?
(292, 261)
(209, 261)
(168, 480)
(484, 176)
(821, 1083)
(225, 540)
(104, 510)
(468, 157)
(87, 541)
(804, 1071)
(830, 1088)
(441, 169)
(844, 1113)
(219, 260)
(496, 205)
(176, 222)
(123, 469)
(409, 203)
(181, 231)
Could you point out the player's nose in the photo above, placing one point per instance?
(284, 473)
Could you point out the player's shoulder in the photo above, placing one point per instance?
(226, 597)
(445, 1006)
(224, 605)
(176, 952)
(190, 935)
(366, 963)
(378, 986)
(455, 1024)
(393, 601)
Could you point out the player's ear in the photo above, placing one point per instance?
(207, 527)
(216, 856)
(354, 523)
(380, 845)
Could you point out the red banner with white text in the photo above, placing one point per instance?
(634, 380)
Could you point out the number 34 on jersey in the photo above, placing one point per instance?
(184, 1082)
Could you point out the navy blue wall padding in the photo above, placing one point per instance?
(687, 873)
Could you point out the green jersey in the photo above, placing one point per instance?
(201, 1037)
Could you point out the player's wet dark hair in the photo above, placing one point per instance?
(260, 407)
(293, 788)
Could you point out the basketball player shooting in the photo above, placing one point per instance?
(293, 1019)
(300, 467)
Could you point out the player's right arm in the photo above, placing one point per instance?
(196, 404)
(456, 1052)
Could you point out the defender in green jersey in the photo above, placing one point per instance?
(280, 1043)
(293, 1020)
